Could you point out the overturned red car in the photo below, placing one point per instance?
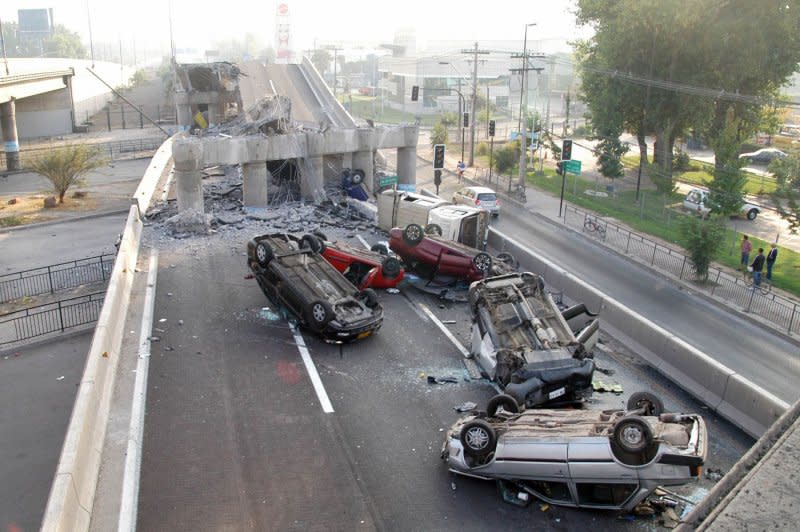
(373, 268)
(431, 255)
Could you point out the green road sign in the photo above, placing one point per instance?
(387, 180)
(572, 167)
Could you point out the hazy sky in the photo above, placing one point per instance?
(312, 21)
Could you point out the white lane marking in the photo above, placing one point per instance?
(363, 242)
(133, 457)
(444, 329)
(324, 401)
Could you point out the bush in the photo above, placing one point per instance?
(506, 158)
(482, 149)
(703, 240)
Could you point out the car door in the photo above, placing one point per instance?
(599, 480)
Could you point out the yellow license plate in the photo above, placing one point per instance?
(363, 335)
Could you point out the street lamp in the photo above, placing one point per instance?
(523, 155)
(462, 106)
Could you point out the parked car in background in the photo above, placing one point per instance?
(696, 201)
(580, 458)
(292, 275)
(481, 197)
(364, 268)
(764, 155)
(525, 344)
(431, 255)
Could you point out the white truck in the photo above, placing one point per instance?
(696, 201)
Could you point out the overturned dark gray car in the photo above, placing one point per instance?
(527, 345)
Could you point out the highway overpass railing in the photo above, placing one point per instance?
(56, 277)
(49, 318)
(115, 151)
(781, 312)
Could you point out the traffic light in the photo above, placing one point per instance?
(560, 167)
(466, 119)
(415, 93)
(438, 157)
(566, 150)
(491, 128)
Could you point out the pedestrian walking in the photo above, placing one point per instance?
(772, 256)
(460, 167)
(758, 266)
(746, 248)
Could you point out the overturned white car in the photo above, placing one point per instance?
(525, 344)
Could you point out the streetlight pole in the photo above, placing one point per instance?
(462, 105)
(523, 153)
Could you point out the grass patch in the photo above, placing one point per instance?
(12, 221)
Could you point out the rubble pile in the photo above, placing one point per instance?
(271, 115)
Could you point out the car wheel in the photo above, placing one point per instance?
(413, 234)
(380, 248)
(263, 254)
(357, 177)
(313, 243)
(482, 262)
(504, 401)
(507, 258)
(390, 268)
(751, 214)
(478, 438)
(632, 434)
(433, 229)
(370, 297)
(652, 405)
(318, 314)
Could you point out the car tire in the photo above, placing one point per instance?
(751, 214)
(380, 248)
(507, 258)
(433, 229)
(390, 267)
(264, 254)
(482, 262)
(478, 438)
(504, 401)
(413, 234)
(652, 404)
(320, 235)
(370, 297)
(313, 243)
(633, 434)
(357, 177)
(318, 314)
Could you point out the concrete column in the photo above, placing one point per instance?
(312, 181)
(184, 117)
(188, 156)
(213, 114)
(347, 160)
(254, 184)
(407, 165)
(8, 122)
(363, 160)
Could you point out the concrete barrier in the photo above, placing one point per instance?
(147, 186)
(71, 497)
(734, 397)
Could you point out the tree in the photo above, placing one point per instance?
(704, 239)
(506, 158)
(439, 134)
(725, 191)
(64, 43)
(66, 166)
(321, 60)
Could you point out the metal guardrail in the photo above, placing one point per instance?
(50, 279)
(784, 313)
(49, 318)
(115, 151)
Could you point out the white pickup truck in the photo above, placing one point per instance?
(697, 201)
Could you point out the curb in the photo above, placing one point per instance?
(99, 214)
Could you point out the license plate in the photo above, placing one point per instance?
(363, 335)
(557, 393)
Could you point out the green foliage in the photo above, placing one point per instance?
(482, 149)
(321, 59)
(138, 78)
(786, 171)
(506, 157)
(439, 134)
(727, 188)
(661, 179)
(703, 240)
(65, 167)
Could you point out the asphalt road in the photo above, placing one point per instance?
(236, 439)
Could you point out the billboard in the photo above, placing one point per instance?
(283, 46)
(35, 23)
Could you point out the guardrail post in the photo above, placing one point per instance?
(102, 268)
(108, 117)
(628, 243)
(791, 320)
(653, 259)
(682, 268)
(141, 118)
(50, 279)
(122, 109)
(716, 282)
(60, 316)
(752, 295)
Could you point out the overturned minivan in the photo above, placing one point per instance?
(524, 343)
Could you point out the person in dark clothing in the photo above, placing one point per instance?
(772, 256)
(758, 266)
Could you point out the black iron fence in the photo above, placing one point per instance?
(738, 291)
(50, 318)
(115, 151)
(51, 279)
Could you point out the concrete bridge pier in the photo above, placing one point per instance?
(184, 112)
(312, 181)
(255, 184)
(8, 122)
(407, 165)
(213, 114)
(188, 156)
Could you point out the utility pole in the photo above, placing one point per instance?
(335, 57)
(3, 45)
(475, 53)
